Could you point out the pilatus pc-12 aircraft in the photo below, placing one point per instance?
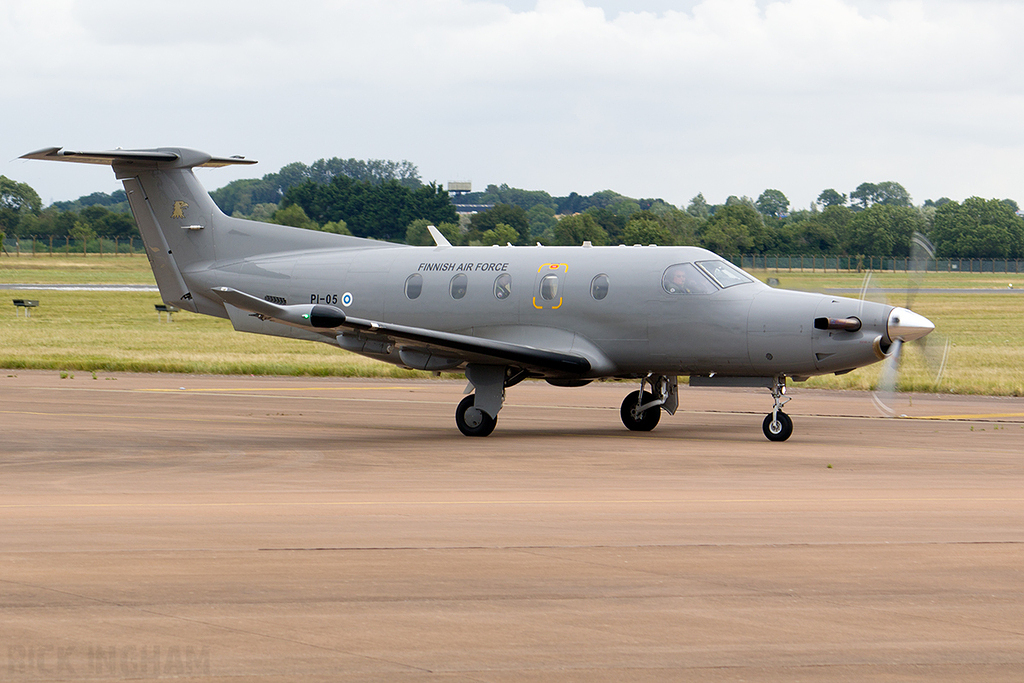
(568, 315)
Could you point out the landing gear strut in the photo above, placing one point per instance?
(477, 413)
(641, 410)
(778, 426)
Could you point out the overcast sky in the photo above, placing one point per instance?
(648, 97)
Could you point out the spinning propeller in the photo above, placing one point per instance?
(906, 326)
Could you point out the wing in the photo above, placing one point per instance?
(330, 321)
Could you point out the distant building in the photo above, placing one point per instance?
(457, 188)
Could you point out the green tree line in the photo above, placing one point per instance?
(876, 219)
(387, 200)
(242, 197)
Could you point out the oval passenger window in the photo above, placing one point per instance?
(414, 285)
(503, 286)
(549, 287)
(458, 287)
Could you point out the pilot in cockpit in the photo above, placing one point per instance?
(676, 282)
(684, 278)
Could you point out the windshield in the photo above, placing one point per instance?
(724, 273)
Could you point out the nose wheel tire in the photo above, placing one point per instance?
(778, 429)
(643, 422)
(471, 420)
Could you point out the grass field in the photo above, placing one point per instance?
(78, 269)
(119, 331)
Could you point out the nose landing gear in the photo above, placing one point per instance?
(778, 426)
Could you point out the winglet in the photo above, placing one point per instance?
(439, 239)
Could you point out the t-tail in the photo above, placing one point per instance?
(181, 226)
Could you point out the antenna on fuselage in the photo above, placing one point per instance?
(439, 239)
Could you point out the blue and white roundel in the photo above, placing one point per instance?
(346, 299)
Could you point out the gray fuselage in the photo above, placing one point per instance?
(609, 304)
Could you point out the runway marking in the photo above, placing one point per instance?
(633, 546)
(252, 389)
(989, 416)
(459, 503)
(255, 392)
(242, 390)
(164, 418)
(247, 394)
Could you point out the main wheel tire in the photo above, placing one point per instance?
(471, 420)
(777, 430)
(645, 421)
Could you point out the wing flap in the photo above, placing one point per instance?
(450, 344)
(464, 345)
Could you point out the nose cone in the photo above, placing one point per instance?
(907, 325)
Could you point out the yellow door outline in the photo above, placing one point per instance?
(564, 267)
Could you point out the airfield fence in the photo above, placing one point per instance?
(52, 245)
(65, 245)
(860, 264)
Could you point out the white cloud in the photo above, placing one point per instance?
(721, 96)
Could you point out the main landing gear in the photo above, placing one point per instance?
(641, 410)
(477, 413)
(471, 420)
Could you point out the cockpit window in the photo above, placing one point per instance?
(458, 286)
(724, 273)
(685, 278)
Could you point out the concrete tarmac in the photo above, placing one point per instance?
(285, 529)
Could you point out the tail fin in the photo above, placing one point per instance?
(181, 226)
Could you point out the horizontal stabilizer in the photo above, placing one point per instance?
(148, 157)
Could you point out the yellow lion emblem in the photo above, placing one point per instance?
(179, 209)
